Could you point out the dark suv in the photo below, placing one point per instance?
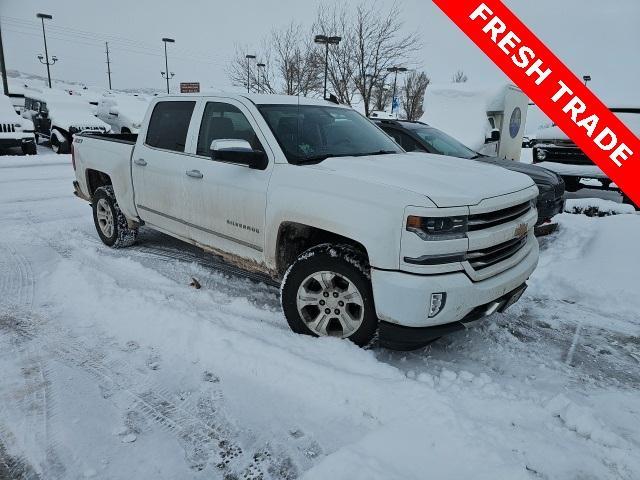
(420, 137)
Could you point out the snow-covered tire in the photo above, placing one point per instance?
(327, 292)
(29, 149)
(110, 222)
(59, 146)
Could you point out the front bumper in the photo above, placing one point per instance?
(397, 337)
(548, 207)
(6, 142)
(403, 298)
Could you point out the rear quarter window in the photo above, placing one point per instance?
(169, 124)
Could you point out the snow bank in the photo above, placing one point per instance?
(594, 263)
(597, 207)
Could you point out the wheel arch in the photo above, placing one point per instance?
(96, 179)
(294, 238)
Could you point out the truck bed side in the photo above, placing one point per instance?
(106, 159)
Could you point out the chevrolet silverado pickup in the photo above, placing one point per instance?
(367, 241)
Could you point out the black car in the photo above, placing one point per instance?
(420, 137)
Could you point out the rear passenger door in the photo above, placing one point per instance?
(159, 164)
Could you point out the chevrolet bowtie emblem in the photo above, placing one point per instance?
(521, 230)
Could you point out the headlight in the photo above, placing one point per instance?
(541, 154)
(136, 125)
(438, 228)
(17, 125)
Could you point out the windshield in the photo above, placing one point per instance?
(311, 133)
(443, 144)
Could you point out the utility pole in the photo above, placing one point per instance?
(3, 67)
(260, 66)
(587, 79)
(166, 74)
(326, 41)
(106, 44)
(43, 16)
(249, 58)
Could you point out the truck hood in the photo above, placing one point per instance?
(74, 118)
(550, 133)
(540, 175)
(446, 181)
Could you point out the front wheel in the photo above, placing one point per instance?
(29, 148)
(59, 146)
(327, 292)
(110, 222)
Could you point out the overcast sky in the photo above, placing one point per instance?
(599, 37)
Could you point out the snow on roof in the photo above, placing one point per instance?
(460, 109)
(260, 99)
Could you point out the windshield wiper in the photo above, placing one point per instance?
(379, 152)
(320, 158)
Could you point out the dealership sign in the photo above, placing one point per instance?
(552, 86)
(190, 87)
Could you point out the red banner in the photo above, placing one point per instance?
(550, 84)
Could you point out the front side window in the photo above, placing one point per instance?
(405, 141)
(169, 125)
(312, 133)
(222, 121)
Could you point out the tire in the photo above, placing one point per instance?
(342, 287)
(29, 149)
(58, 147)
(110, 222)
(571, 184)
(125, 130)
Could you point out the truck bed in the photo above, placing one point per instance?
(128, 138)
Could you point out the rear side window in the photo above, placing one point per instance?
(169, 125)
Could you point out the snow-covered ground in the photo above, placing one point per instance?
(114, 367)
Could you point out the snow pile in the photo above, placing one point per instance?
(597, 207)
(594, 262)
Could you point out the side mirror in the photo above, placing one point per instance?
(495, 136)
(240, 152)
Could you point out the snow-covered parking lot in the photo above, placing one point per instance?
(114, 367)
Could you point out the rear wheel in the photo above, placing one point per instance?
(110, 222)
(327, 292)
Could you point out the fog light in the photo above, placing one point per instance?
(541, 154)
(436, 304)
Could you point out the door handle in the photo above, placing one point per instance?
(140, 161)
(194, 173)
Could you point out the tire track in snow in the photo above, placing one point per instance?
(205, 434)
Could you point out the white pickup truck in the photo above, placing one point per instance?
(365, 238)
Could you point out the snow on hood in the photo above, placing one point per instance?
(551, 133)
(66, 116)
(446, 181)
(7, 111)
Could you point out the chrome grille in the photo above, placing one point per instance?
(7, 128)
(481, 221)
(479, 259)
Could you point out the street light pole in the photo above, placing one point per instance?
(166, 73)
(586, 78)
(326, 41)
(3, 67)
(106, 44)
(260, 65)
(43, 16)
(249, 58)
(395, 71)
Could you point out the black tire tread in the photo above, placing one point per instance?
(124, 236)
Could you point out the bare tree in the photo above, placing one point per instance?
(379, 45)
(415, 86)
(297, 61)
(459, 77)
(237, 68)
(381, 94)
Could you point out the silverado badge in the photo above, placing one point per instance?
(521, 230)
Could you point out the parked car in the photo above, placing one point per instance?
(554, 150)
(363, 236)
(420, 137)
(15, 131)
(57, 116)
(124, 113)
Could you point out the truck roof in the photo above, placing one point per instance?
(259, 99)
